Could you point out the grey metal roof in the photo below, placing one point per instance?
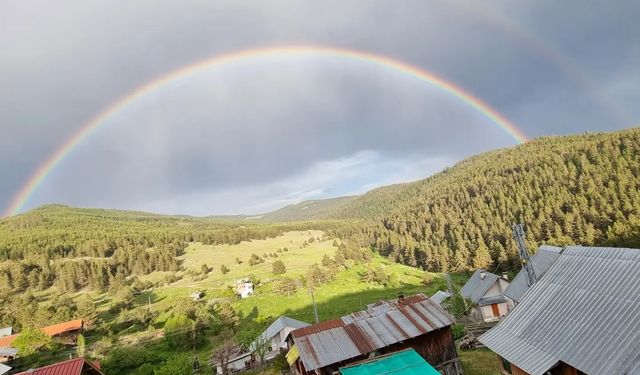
(4, 369)
(491, 300)
(440, 296)
(583, 312)
(277, 326)
(477, 286)
(6, 331)
(541, 260)
(365, 331)
(8, 352)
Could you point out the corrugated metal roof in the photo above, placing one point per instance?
(4, 369)
(407, 362)
(541, 260)
(6, 331)
(70, 367)
(8, 352)
(365, 331)
(491, 300)
(440, 296)
(583, 312)
(277, 326)
(477, 285)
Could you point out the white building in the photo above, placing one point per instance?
(486, 292)
(244, 288)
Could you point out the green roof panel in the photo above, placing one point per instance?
(406, 362)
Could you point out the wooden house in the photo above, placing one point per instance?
(486, 291)
(66, 333)
(580, 318)
(414, 322)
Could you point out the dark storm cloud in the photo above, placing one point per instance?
(271, 125)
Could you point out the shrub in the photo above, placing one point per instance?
(32, 340)
(255, 259)
(224, 269)
(179, 330)
(286, 286)
(278, 267)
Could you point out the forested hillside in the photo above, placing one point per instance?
(566, 190)
(307, 210)
(74, 248)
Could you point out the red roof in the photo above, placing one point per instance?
(70, 367)
(54, 330)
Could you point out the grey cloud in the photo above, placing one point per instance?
(64, 62)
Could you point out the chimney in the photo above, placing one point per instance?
(400, 299)
(505, 276)
(483, 274)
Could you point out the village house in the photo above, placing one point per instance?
(541, 261)
(274, 338)
(387, 327)
(580, 318)
(66, 333)
(486, 291)
(244, 288)
(77, 366)
(403, 362)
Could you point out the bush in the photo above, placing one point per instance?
(278, 267)
(427, 278)
(178, 365)
(317, 276)
(286, 286)
(179, 331)
(32, 340)
(458, 331)
(255, 259)
(124, 358)
(224, 269)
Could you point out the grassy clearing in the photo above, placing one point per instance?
(479, 362)
(344, 295)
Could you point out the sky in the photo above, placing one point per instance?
(257, 134)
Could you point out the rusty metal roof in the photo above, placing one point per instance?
(583, 312)
(365, 331)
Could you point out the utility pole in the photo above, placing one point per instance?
(518, 235)
(315, 308)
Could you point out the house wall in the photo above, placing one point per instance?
(486, 312)
(237, 365)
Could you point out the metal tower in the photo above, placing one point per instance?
(518, 235)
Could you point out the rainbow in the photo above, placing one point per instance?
(41, 173)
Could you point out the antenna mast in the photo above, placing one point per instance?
(518, 235)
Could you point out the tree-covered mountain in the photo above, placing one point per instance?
(75, 248)
(566, 190)
(307, 210)
(581, 189)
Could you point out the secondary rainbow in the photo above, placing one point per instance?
(41, 173)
